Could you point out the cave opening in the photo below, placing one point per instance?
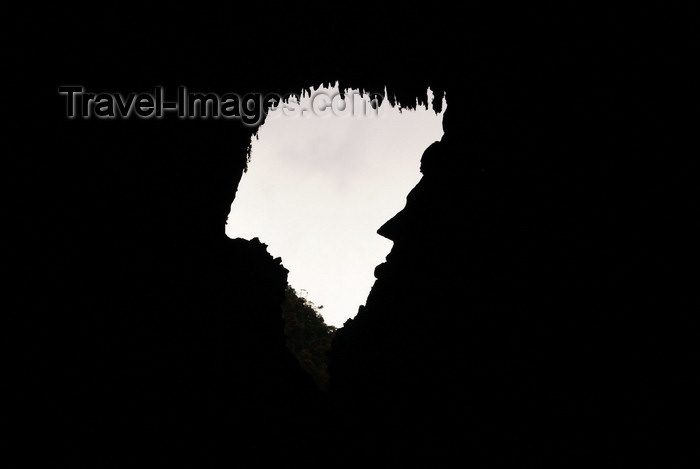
(326, 169)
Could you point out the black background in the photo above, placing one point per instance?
(531, 312)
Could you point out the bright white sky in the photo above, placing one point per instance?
(318, 188)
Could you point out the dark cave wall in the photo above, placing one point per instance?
(142, 335)
(500, 312)
(519, 316)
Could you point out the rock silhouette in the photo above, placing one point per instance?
(528, 311)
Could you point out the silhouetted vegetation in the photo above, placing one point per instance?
(308, 336)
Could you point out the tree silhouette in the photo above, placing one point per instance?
(308, 336)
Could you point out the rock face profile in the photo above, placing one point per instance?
(529, 314)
